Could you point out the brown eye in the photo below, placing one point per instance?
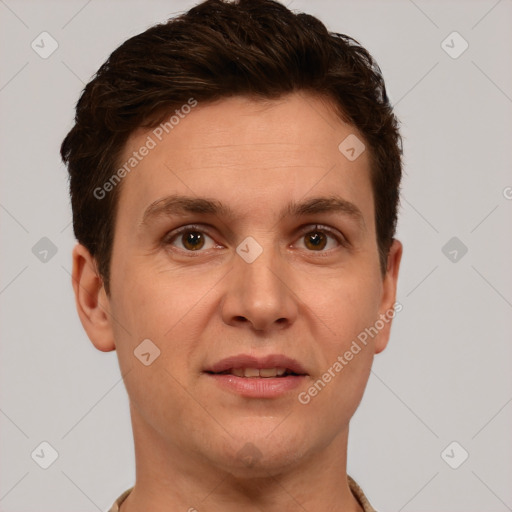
(189, 239)
(321, 239)
(192, 240)
(315, 240)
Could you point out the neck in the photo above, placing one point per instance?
(168, 480)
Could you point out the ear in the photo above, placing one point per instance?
(387, 309)
(91, 300)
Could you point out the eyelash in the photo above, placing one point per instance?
(310, 228)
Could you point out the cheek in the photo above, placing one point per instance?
(346, 310)
(162, 307)
(149, 300)
(347, 354)
(347, 305)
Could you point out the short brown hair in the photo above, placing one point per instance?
(255, 48)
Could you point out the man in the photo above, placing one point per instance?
(234, 176)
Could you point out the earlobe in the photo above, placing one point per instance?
(91, 301)
(388, 301)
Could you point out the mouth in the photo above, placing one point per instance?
(252, 377)
(257, 373)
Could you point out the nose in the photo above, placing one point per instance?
(260, 295)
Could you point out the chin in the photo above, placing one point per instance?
(259, 456)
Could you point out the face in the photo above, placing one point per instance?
(245, 250)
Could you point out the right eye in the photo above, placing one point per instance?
(189, 239)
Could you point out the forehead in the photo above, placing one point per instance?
(248, 153)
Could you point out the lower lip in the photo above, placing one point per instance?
(255, 387)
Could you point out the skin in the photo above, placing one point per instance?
(201, 306)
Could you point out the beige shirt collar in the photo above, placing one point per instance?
(356, 491)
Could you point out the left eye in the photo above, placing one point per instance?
(318, 240)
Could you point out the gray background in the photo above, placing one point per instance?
(445, 375)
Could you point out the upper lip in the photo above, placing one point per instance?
(247, 361)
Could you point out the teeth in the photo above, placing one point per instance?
(268, 372)
(251, 372)
(255, 372)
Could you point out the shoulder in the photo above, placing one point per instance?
(117, 503)
(359, 494)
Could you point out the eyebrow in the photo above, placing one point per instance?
(181, 205)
